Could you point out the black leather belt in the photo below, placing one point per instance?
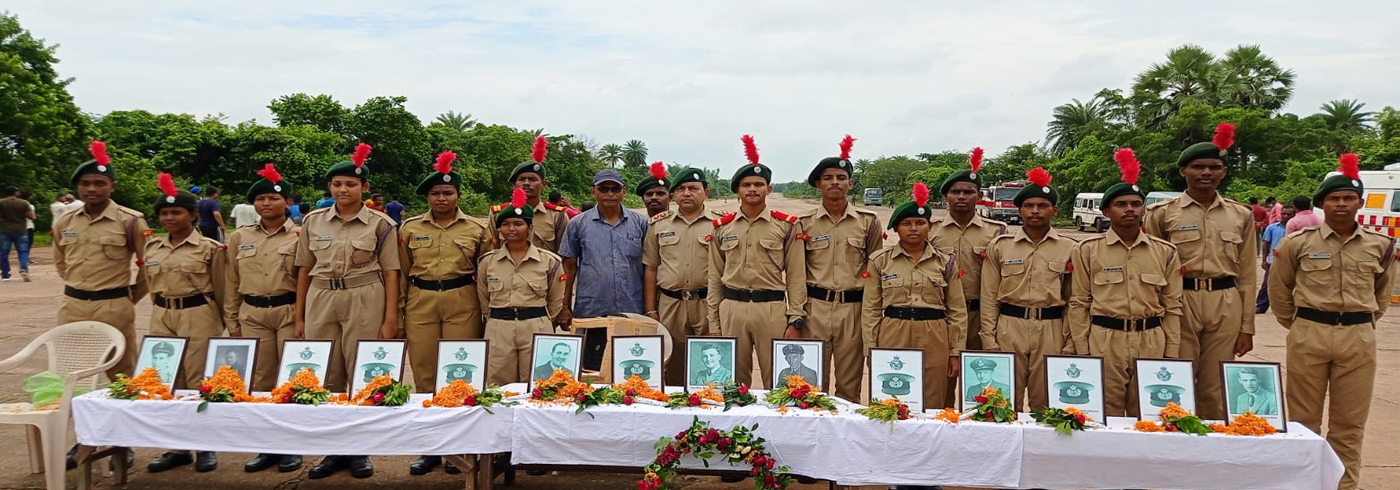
(685, 295)
(442, 285)
(1051, 313)
(518, 313)
(1332, 318)
(180, 303)
(1137, 325)
(283, 299)
(974, 304)
(830, 296)
(907, 313)
(86, 295)
(757, 296)
(1204, 284)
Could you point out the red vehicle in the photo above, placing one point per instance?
(998, 202)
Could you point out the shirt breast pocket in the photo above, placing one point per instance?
(1184, 237)
(419, 242)
(1231, 241)
(1361, 272)
(468, 247)
(1010, 270)
(774, 250)
(1104, 278)
(113, 246)
(1154, 281)
(855, 246)
(632, 246)
(728, 245)
(495, 284)
(361, 253)
(822, 244)
(1316, 274)
(668, 240)
(321, 249)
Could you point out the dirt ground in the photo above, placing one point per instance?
(29, 310)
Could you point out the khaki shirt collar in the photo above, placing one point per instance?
(110, 212)
(850, 213)
(164, 241)
(428, 218)
(928, 252)
(976, 221)
(676, 215)
(1185, 200)
(1021, 235)
(762, 215)
(363, 216)
(1327, 232)
(1112, 238)
(286, 226)
(532, 253)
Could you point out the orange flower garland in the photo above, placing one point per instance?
(1148, 426)
(709, 393)
(363, 396)
(949, 415)
(452, 396)
(225, 382)
(304, 382)
(1246, 424)
(561, 386)
(145, 386)
(636, 387)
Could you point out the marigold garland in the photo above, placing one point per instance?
(1246, 424)
(636, 387)
(1175, 419)
(145, 386)
(561, 386)
(737, 445)
(461, 394)
(949, 415)
(226, 386)
(798, 392)
(304, 388)
(382, 391)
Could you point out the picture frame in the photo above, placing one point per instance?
(640, 355)
(982, 369)
(166, 354)
(1266, 400)
(801, 357)
(375, 358)
(1163, 381)
(709, 360)
(464, 359)
(1075, 381)
(302, 354)
(554, 351)
(897, 373)
(239, 353)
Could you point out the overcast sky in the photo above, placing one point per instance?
(689, 78)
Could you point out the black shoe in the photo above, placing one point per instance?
(261, 462)
(450, 468)
(289, 463)
(424, 465)
(169, 460)
(205, 461)
(72, 463)
(360, 466)
(327, 467)
(731, 478)
(805, 480)
(535, 472)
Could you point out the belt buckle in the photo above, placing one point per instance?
(176, 303)
(1205, 284)
(1035, 313)
(337, 283)
(687, 295)
(1136, 325)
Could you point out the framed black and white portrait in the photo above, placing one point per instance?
(1257, 388)
(238, 353)
(1164, 381)
(462, 360)
(552, 352)
(898, 373)
(374, 358)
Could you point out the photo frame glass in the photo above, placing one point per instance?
(982, 370)
(238, 353)
(709, 360)
(1255, 387)
(1163, 381)
(462, 359)
(375, 358)
(1076, 381)
(642, 356)
(165, 354)
(898, 373)
(794, 357)
(552, 352)
(304, 354)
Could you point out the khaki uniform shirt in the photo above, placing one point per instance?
(549, 223)
(94, 253)
(334, 248)
(929, 281)
(533, 282)
(1126, 281)
(194, 267)
(1319, 269)
(1024, 273)
(436, 253)
(757, 254)
(263, 265)
(679, 250)
(968, 245)
(838, 248)
(1213, 241)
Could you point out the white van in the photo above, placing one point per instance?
(1086, 212)
(1380, 207)
(1159, 196)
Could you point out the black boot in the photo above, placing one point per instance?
(289, 463)
(169, 460)
(205, 461)
(450, 468)
(360, 466)
(261, 462)
(424, 465)
(327, 467)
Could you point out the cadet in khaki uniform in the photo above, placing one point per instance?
(186, 274)
(550, 219)
(756, 263)
(524, 292)
(1125, 295)
(676, 254)
(261, 285)
(913, 298)
(93, 254)
(840, 239)
(965, 235)
(1026, 284)
(347, 282)
(1329, 285)
(1215, 238)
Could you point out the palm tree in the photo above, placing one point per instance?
(1190, 76)
(459, 122)
(610, 154)
(634, 154)
(1346, 115)
(1256, 81)
(1072, 122)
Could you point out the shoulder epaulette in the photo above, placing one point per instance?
(724, 220)
(864, 211)
(497, 208)
(781, 216)
(1092, 238)
(320, 210)
(716, 212)
(1154, 238)
(127, 210)
(553, 207)
(1159, 204)
(660, 216)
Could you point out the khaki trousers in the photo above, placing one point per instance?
(117, 312)
(755, 325)
(1030, 341)
(837, 325)
(932, 337)
(1340, 361)
(683, 319)
(272, 327)
(974, 342)
(345, 316)
(1210, 325)
(509, 344)
(198, 324)
(433, 315)
(1119, 349)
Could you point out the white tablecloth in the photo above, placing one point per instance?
(291, 429)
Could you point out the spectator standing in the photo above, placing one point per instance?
(558, 199)
(57, 208)
(1275, 209)
(394, 209)
(244, 214)
(1304, 218)
(1261, 219)
(602, 249)
(326, 201)
(28, 198)
(211, 217)
(14, 212)
(294, 211)
(1272, 236)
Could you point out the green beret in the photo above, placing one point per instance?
(507, 211)
(264, 186)
(1117, 190)
(909, 209)
(828, 162)
(1200, 151)
(650, 182)
(347, 168)
(439, 178)
(1033, 190)
(101, 164)
(182, 198)
(688, 174)
(964, 175)
(750, 170)
(531, 167)
(1337, 182)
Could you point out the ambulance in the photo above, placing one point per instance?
(999, 202)
(1380, 210)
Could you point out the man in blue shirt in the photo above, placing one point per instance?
(211, 218)
(326, 201)
(394, 209)
(602, 250)
(1272, 235)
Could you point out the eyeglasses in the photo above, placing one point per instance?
(612, 189)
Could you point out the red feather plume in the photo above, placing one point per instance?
(1038, 176)
(444, 162)
(517, 198)
(361, 153)
(750, 149)
(269, 172)
(1224, 136)
(920, 194)
(658, 170)
(99, 152)
(1128, 165)
(846, 144)
(540, 150)
(1350, 166)
(976, 159)
(166, 183)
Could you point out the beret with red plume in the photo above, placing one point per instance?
(271, 183)
(971, 174)
(1346, 178)
(536, 163)
(917, 207)
(1039, 187)
(101, 164)
(753, 169)
(441, 174)
(1128, 168)
(1216, 149)
(516, 208)
(657, 178)
(354, 167)
(172, 195)
(841, 162)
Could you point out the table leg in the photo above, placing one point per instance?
(485, 471)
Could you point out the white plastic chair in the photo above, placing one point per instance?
(77, 351)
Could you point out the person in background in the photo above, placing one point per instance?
(305, 209)
(211, 218)
(1303, 217)
(14, 213)
(394, 209)
(1272, 236)
(558, 199)
(602, 252)
(244, 214)
(294, 211)
(28, 197)
(326, 201)
(1261, 219)
(376, 202)
(550, 220)
(57, 208)
(587, 205)
(1275, 209)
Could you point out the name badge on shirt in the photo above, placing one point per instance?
(665, 234)
(1320, 255)
(729, 238)
(70, 233)
(1113, 268)
(421, 237)
(493, 279)
(1188, 227)
(152, 262)
(1013, 261)
(820, 238)
(323, 238)
(246, 246)
(887, 277)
